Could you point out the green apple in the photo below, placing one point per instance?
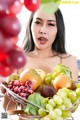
(13, 76)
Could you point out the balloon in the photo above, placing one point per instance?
(17, 58)
(32, 5)
(16, 7)
(3, 56)
(6, 69)
(10, 25)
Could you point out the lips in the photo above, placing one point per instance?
(42, 40)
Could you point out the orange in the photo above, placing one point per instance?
(62, 80)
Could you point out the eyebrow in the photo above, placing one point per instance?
(47, 20)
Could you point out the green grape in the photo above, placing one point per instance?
(62, 107)
(66, 113)
(50, 75)
(51, 102)
(47, 118)
(48, 80)
(41, 112)
(78, 92)
(55, 74)
(59, 118)
(52, 115)
(66, 90)
(67, 102)
(72, 96)
(58, 111)
(62, 93)
(49, 107)
(58, 100)
(78, 85)
(45, 101)
(63, 69)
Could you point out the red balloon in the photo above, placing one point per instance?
(3, 8)
(7, 2)
(32, 5)
(10, 25)
(14, 40)
(16, 7)
(6, 69)
(5, 43)
(17, 58)
(3, 56)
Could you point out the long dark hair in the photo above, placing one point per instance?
(59, 43)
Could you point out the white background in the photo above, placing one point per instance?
(71, 15)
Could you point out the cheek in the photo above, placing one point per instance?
(34, 30)
(53, 33)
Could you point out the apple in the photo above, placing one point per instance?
(13, 76)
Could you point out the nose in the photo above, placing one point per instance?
(42, 30)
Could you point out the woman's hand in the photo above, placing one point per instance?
(3, 90)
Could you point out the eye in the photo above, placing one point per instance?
(50, 24)
(37, 22)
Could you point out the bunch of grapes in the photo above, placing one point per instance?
(61, 105)
(19, 88)
(11, 56)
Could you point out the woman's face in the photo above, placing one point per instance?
(44, 29)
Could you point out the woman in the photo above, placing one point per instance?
(44, 44)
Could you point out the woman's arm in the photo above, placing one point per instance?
(8, 103)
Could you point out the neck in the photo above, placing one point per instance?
(44, 53)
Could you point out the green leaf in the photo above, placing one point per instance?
(37, 99)
(34, 111)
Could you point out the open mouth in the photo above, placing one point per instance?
(42, 40)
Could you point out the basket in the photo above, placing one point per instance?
(24, 102)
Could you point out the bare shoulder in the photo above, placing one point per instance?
(67, 56)
(71, 62)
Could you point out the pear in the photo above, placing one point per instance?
(42, 73)
(13, 76)
(31, 75)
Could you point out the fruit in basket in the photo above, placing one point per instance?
(63, 80)
(78, 85)
(23, 90)
(48, 91)
(42, 73)
(33, 76)
(13, 76)
(78, 92)
(61, 68)
(37, 99)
